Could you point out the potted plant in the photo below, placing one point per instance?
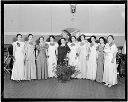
(65, 72)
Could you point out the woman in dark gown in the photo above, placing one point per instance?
(63, 51)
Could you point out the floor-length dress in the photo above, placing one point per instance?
(73, 59)
(100, 64)
(41, 62)
(52, 60)
(30, 66)
(82, 59)
(110, 69)
(62, 54)
(92, 64)
(18, 66)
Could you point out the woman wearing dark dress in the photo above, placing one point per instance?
(41, 60)
(100, 60)
(63, 51)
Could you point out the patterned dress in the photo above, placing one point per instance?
(30, 66)
(41, 62)
(100, 63)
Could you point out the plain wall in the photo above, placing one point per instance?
(52, 18)
(89, 18)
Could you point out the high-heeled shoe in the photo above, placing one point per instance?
(109, 85)
(106, 84)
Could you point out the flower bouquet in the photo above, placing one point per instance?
(64, 72)
(18, 44)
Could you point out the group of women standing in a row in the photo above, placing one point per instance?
(95, 61)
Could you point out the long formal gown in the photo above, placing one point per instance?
(73, 59)
(18, 66)
(82, 59)
(30, 66)
(52, 60)
(110, 69)
(100, 64)
(62, 53)
(92, 64)
(41, 62)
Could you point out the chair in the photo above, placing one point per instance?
(8, 57)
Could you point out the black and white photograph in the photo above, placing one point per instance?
(64, 51)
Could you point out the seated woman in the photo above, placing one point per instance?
(63, 51)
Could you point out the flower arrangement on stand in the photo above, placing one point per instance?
(65, 72)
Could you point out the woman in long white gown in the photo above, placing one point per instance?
(92, 64)
(52, 58)
(18, 53)
(110, 69)
(73, 59)
(83, 56)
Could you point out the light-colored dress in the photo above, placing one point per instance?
(30, 66)
(100, 63)
(124, 48)
(18, 66)
(73, 59)
(82, 59)
(52, 60)
(110, 69)
(92, 64)
(41, 62)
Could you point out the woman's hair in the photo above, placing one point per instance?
(102, 38)
(41, 37)
(63, 38)
(111, 36)
(19, 35)
(93, 37)
(30, 35)
(79, 38)
(50, 37)
(70, 39)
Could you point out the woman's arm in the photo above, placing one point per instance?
(37, 50)
(114, 51)
(25, 49)
(56, 49)
(14, 49)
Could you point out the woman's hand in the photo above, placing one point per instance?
(14, 59)
(47, 56)
(112, 61)
(87, 57)
(77, 54)
(56, 57)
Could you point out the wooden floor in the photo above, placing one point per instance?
(50, 88)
